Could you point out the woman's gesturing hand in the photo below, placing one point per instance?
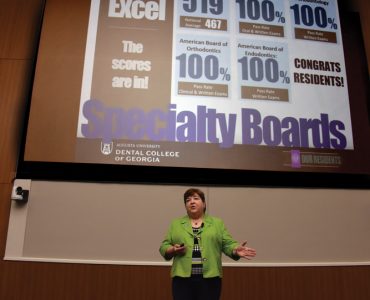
(244, 251)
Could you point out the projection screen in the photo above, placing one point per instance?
(256, 85)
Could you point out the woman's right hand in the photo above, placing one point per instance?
(179, 249)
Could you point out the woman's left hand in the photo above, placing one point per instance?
(244, 251)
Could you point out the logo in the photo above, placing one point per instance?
(106, 148)
(295, 158)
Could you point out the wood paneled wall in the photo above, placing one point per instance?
(363, 7)
(19, 27)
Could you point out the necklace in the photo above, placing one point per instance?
(196, 222)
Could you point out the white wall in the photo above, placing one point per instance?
(121, 223)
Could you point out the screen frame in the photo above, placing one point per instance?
(352, 35)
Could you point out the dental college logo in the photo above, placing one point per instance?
(106, 148)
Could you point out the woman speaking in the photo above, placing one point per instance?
(196, 243)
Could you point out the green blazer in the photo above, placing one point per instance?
(214, 239)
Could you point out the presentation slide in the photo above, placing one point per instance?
(215, 84)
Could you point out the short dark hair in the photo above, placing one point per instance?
(191, 192)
